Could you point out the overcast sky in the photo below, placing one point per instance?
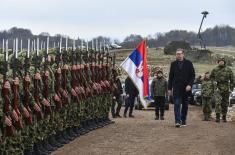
(113, 18)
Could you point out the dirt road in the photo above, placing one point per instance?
(145, 136)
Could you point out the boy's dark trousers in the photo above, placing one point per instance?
(129, 102)
(119, 105)
(159, 102)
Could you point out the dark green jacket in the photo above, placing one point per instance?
(158, 87)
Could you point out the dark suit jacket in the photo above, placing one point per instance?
(130, 88)
(180, 78)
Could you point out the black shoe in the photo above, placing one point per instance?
(161, 117)
(117, 115)
(224, 118)
(131, 116)
(157, 118)
(124, 115)
(217, 118)
(183, 124)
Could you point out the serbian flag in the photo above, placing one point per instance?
(136, 67)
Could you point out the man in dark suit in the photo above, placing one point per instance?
(131, 94)
(180, 83)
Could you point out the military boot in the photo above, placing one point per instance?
(71, 134)
(48, 146)
(60, 139)
(66, 135)
(96, 121)
(100, 122)
(43, 148)
(206, 118)
(38, 150)
(217, 117)
(224, 118)
(53, 142)
(85, 126)
(82, 130)
(29, 151)
(95, 125)
(77, 131)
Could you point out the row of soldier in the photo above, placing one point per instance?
(51, 97)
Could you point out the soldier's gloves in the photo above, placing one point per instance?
(8, 121)
(15, 115)
(36, 107)
(73, 92)
(77, 90)
(46, 103)
(65, 94)
(83, 90)
(25, 112)
(114, 98)
(127, 95)
(57, 98)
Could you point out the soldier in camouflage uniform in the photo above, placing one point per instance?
(28, 104)
(48, 93)
(13, 145)
(224, 77)
(207, 92)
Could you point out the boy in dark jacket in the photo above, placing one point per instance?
(131, 94)
(158, 93)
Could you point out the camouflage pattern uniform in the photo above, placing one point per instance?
(224, 77)
(207, 92)
(2, 145)
(13, 145)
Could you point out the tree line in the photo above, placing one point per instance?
(217, 36)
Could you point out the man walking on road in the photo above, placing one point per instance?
(180, 83)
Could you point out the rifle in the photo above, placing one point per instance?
(81, 83)
(9, 130)
(87, 75)
(45, 80)
(15, 89)
(26, 85)
(58, 89)
(64, 73)
(37, 83)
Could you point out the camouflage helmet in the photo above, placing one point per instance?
(160, 71)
